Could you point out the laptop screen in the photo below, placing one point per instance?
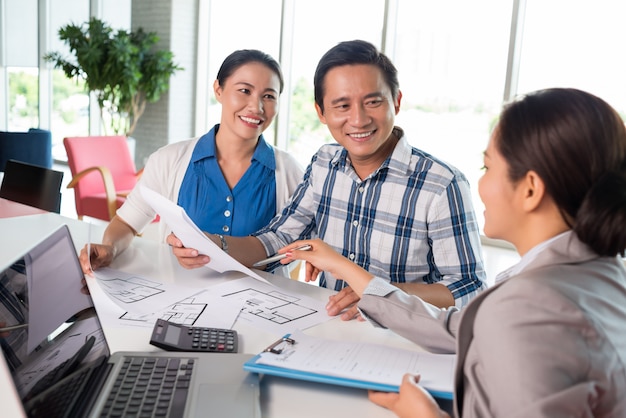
(47, 322)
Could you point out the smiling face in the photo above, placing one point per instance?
(249, 98)
(359, 111)
(500, 196)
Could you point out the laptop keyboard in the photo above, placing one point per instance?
(144, 387)
(150, 387)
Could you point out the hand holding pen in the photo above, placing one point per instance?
(318, 255)
(322, 257)
(278, 257)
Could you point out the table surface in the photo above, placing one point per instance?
(280, 397)
(11, 209)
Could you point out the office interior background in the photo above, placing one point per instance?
(458, 62)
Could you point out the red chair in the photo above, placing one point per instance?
(103, 173)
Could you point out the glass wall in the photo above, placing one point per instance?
(451, 56)
(262, 23)
(575, 44)
(316, 27)
(70, 101)
(29, 29)
(22, 72)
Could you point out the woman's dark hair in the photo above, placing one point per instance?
(354, 53)
(245, 56)
(576, 143)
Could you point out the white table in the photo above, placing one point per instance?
(11, 209)
(146, 258)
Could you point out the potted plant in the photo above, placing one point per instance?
(123, 69)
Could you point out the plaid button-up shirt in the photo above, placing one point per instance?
(410, 221)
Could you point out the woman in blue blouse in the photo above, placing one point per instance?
(230, 181)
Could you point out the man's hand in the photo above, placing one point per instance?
(412, 401)
(346, 300)
(187, 257)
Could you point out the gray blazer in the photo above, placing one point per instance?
(548, 342)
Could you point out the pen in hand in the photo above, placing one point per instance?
(279, 257)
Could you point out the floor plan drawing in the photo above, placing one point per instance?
(272, 305)
(203, 309)
(269, 307)
(185, 313)
(139, 295)
(131, 289)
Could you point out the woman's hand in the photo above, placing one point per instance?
(187, 257)
(412, 401)
(100, 255)
(321, 257)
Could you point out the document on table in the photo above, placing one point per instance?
(356, 364)
(201, 309)
(268, 307)
(191, 236)
(137, 294)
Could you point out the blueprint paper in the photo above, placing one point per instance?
(191, 236)
(200, 309)
(137, 294)
(270, 308)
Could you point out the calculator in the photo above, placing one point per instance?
(171, 336)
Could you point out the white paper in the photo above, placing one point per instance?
(200, 309)
(137, 294)
(363, 361)
(270, 308)
(191, 236)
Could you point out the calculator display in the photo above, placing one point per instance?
(172, 335)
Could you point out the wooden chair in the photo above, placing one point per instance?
(32, 185)
(103, 173)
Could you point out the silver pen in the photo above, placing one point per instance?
(279, 256)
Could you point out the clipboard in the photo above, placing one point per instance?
(289, 342)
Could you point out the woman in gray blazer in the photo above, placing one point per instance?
(549, 340)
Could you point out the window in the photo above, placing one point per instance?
(21, 62)
(317, 27)
(23, 98)
(451, 58)
(577, 45)
(245, 24)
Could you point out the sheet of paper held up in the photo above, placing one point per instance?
(363, 361)
(191, 236)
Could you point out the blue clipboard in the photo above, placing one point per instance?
(254, 367)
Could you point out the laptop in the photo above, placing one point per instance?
(61, 366)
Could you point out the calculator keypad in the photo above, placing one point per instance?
(211, 339)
